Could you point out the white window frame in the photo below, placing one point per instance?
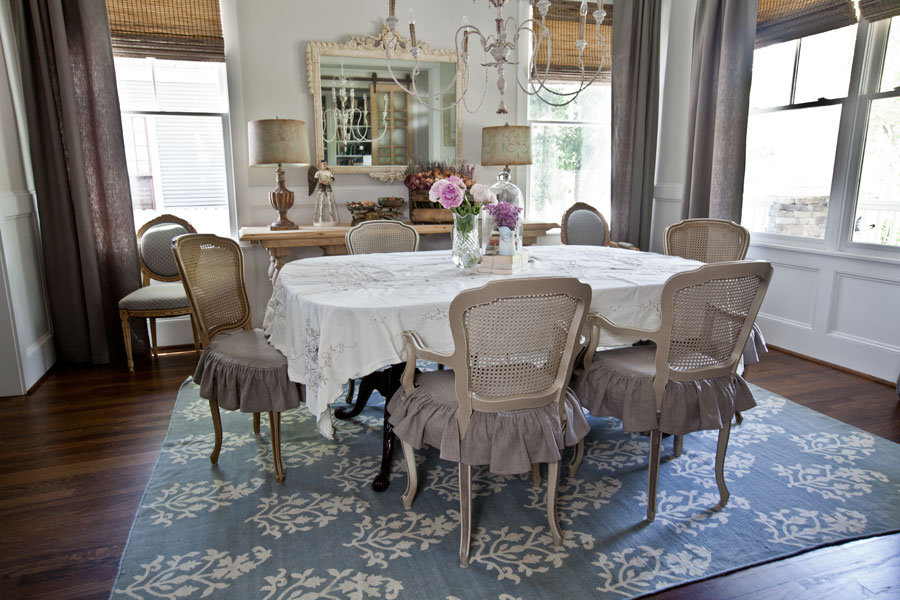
(225, 119)
(865, 77)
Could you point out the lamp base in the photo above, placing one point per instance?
(281, 199)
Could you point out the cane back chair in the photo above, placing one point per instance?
(707, 240)
(165, 299)
(239, 369)
(688, 381)
(514, 344)
(381, 236)
(584, 225)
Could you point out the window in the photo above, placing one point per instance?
(175, 125)
(570, 152)
(823, 139)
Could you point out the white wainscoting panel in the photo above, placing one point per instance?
(856, 299)
(792, 295)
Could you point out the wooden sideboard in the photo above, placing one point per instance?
(331, 239)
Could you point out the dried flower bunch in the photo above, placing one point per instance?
(421, 176)
(504, 214)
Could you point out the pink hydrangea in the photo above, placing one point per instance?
(450, 192)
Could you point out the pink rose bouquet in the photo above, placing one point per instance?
(451, 192)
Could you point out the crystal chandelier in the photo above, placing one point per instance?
(500, 48)
(350, 122)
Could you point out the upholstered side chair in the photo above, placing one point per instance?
(584, 225)
(381, 236)
(239, 369)
(688, 380)
(372, 237)
(506, 402)
(165, 299)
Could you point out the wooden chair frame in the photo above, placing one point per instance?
(151, 315)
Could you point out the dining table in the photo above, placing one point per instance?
(336, 318)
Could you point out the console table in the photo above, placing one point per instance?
(331, 239)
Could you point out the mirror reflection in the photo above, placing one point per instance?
(368, 120)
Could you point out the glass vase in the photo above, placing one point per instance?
(466, 241)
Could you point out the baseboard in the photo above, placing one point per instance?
(834, 366)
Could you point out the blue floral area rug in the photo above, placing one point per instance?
(797, 479)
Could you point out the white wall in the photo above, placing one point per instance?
(265, 49)
(26, 336)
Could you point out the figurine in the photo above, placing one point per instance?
(326, 210)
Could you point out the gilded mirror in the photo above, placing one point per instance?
(364, 122)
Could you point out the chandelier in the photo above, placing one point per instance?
(350, 122)
(501, 47)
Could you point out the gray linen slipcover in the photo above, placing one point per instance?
(158, 296)
(508, 442)
(241, 371)
(586, 228)
(619, 383)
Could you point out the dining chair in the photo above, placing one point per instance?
(505, 403)
(164, 299)
(714, 241)
(239, 369)
(584, 225)
(688, 380)
(370, 237)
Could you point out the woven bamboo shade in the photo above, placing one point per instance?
(562, 20)
(786, 20)
(875, 10)
(170, 29)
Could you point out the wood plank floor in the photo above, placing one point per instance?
(78, 453)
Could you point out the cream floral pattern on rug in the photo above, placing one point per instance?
(797, 479)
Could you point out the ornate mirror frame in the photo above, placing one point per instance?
(372, 46)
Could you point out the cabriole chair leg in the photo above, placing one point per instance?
(655, 443)
(217, 427)
(412, 475)
(721, 448)
(576, 458)
(126, 333)
(275, 432)
(550, 501)
(256, 420)
(465, 512)
(678, 445)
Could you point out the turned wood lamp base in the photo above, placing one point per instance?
(281, 199)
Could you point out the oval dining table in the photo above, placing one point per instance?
(336, 318)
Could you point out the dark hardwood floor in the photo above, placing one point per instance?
(78, 453)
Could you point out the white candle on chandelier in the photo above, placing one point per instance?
(583, 20)
(392, 6)
(465, 35)
(412, 27)
(385, 112)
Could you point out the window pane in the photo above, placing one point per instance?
(824, 69)
(570, 164)
(877, 219)
(134, 80)
(890, 77)
(790, 159)
(593, 104)
(190, 86)
(773, 70)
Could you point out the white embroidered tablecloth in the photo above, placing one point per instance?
(340, 317)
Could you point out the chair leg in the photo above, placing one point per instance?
(721, 448)
(126, 333)
(217, 427)
(535, 475)
(465, 512)
(552, 494)
(256, 423)
(412, 475)
(738, 417)
(154, 350)
(655, 443)
(678, 445)
(576, 458)
(194, 333)
(275, 432)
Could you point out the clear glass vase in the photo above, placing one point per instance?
(466, 240)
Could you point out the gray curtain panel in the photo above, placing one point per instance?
(78, 156)
(635, 113)
(721, 65)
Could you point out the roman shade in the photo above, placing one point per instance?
(563, 22)
(875, 10)
(170, 29)
(785, 20)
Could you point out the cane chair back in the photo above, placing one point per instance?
(212, 269)
(707, 240)
(514, 343)
(584, 225)
(154, 240)
(372, 237)
(707, 316)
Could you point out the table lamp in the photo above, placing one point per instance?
(276, 143)
(506, 145)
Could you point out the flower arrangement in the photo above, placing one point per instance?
(505, 214)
